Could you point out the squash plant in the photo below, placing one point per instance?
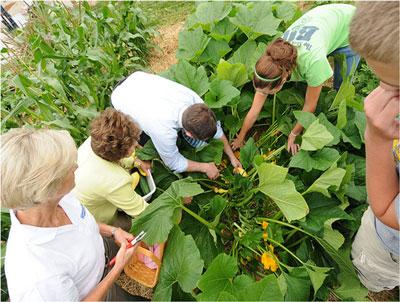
(281, 230)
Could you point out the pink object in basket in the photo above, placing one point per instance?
(155, 249)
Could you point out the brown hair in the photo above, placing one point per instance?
(374, 31)
(113, 134)
(200, 120)
(278, 60)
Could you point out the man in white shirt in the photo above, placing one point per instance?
(162, 108)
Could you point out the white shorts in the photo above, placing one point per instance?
(377, 268)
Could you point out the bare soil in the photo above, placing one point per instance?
(166, 42)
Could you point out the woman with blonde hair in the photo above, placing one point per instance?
(55, 250)
(301, 55)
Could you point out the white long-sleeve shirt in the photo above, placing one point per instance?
(157, 105)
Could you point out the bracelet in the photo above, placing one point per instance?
(291, 133)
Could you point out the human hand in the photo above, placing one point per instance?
(211, 170)
(237, 143)
(144, 164)
(235, 162)
(381, 108)
(123, 256)
(292, 147)
(120, 237)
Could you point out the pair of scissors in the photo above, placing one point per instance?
(132, 243)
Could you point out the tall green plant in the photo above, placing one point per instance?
(66, 62)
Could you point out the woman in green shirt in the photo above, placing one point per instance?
(301, 55)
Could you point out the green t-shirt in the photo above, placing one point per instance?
(316, 34)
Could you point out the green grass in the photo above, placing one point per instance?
(162, 13)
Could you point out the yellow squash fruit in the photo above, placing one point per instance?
(240, 171)
(135, 179)
(142, 172)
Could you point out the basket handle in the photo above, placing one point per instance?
(141, 250)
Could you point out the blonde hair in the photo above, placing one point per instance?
(374, 31)
(34, 165)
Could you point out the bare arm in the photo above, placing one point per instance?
(228, 151)
(250, 119)
(210, 169)
(381, 108)
(100, 291)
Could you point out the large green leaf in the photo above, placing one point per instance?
(298, 284)
(248, 54)
(315, 137)
(304, 118)
(148, 152)
(281, 191)
(217, 278)
(192, 77)
(317, 275)
(159, 217)
(256, 19)
(191, 44)
(346, 92)
(182, 264)
(323, 211)
(330, 178)
(224, 30)
(212, 152)
(208, 13)
(342, 115)
(351, 134)
(217, 284)
(215, 50)
(286, 10)
(351, 288)
(248, 152)
(319, 160)
(331, 128)
(236, 73)
(221, 93)
(266, 289)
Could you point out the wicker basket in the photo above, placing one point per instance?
(139, 272)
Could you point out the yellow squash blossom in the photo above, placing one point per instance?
(264, 225)
(265, 236)
(268, 262)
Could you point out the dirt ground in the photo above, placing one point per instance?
(167, 44)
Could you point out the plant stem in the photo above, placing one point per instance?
(273, 108)
(287, 250)
(199, 218)
(297, 242)
(286, 224)
(245, 201)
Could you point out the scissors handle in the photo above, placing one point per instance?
(132, 243)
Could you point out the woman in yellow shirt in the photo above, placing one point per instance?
(103, 184)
